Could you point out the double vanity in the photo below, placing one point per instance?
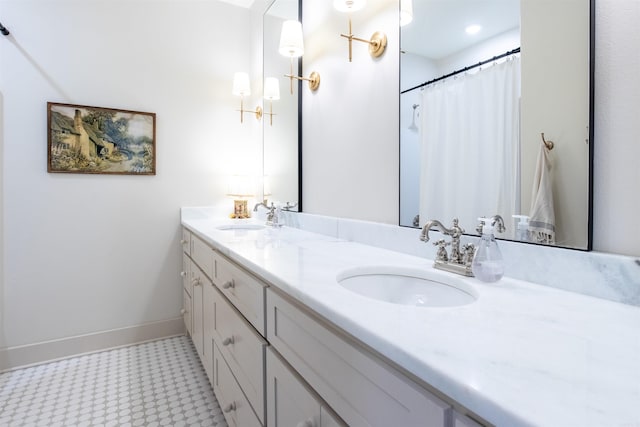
(296, 328)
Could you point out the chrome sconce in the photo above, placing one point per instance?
(292, 45)
(377, 43)
(242, 88)
(271, 93)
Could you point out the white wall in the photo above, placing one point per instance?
(616, 175)
(350, 125)
(85, 253)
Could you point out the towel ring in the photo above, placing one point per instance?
(548, 144)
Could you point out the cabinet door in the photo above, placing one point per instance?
(290, 401)
(185, 274)
(186, 311)
(186, 241)
(197, 335)
(208, 322)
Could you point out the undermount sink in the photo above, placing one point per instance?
(407, 286)
(241, 227)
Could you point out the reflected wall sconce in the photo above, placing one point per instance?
(242, 88)
(377, 43)
(272, 93)
(406, 12)
(240, 187)
(292, 45)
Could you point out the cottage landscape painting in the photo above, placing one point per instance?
(84, 139)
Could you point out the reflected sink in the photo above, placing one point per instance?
(240, 227)
(407, 286)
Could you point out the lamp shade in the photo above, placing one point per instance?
(406, 12)
(291, 43)
(348, 5)
(240, 186)
(271, 88)
(241, 85)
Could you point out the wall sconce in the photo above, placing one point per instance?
(377, 43)
(406, 12)
(240, 188)
(241, 88)
(292, 45)
(272, 93)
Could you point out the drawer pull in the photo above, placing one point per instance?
(183, 311)
(228, 285)
(230, 407)
(183, 273)
(307, 423)
(228, 341)
(182, 242)
(196, 282)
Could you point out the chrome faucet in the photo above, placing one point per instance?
(497, 222)
(456, 262)
(272, 214)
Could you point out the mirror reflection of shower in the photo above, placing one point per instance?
(412, 126)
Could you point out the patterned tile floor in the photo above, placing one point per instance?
(159, 383)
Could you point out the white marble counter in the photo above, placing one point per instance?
(522, 354)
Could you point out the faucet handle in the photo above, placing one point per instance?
(468, 252)
(441, 255)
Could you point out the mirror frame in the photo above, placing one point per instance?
(591, 97)
(299, 105)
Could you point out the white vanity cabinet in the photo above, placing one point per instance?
(273, 362)
(227, 326)
(361, 388)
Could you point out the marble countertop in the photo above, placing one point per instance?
(522, 354)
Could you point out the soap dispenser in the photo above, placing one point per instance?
(522, 229)
(487, 264)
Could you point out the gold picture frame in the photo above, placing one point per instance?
(96, 140)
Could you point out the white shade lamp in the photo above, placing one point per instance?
(240, 187)
(242, 88)
(292, 46)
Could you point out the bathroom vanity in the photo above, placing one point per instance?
(285, 344)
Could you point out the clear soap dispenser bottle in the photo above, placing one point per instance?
(522, 229)
(487, 264)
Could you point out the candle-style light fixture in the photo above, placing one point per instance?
(378, 41)
(242, 88)
(292, 45)
(271, 93)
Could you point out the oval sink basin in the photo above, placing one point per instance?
(407, 286)
(241, 227)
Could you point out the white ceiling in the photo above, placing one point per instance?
(437, 29)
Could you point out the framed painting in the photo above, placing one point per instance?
(83, 139)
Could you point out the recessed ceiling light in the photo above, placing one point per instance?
(473, 29)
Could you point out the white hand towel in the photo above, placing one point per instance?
(543, 221)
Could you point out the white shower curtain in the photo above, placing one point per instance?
(470, 147)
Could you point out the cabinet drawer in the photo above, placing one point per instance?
(185, 241)
(234, 405)
(290, 401)
(360, 387)
(243, 350)
(244, 291)
(202, 255)
(186, 310)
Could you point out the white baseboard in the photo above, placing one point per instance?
(48, 351)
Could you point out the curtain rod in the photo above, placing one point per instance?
(462, 70)
(4, 30)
